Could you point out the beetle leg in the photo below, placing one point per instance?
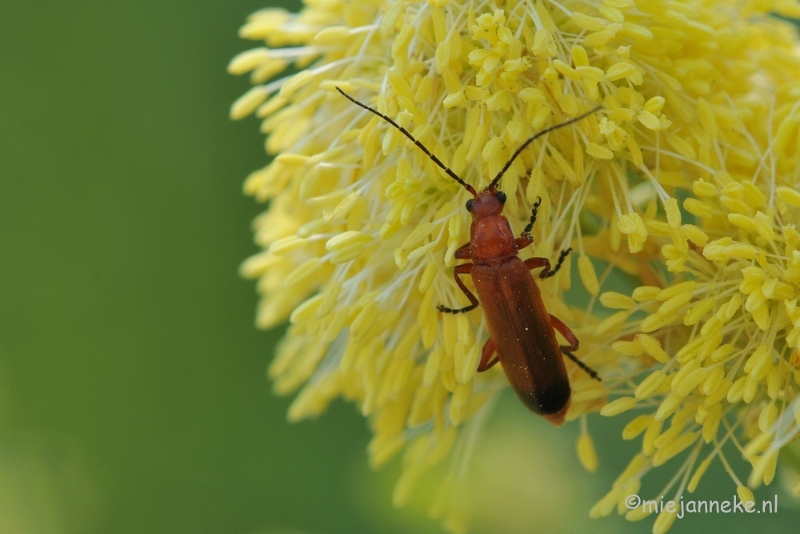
(572, 339)
(462, 252)
(535, 263)
(547, 272)
(525, 237)
(561, 258)
(465, 268)
(529, 227)
(568, 334)
(486, 355)
(523, 241)
(589, 371)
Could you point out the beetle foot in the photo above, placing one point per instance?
(591, 372)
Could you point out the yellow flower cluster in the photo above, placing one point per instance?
(725, 330)
(691, 165)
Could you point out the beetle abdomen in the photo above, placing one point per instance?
(526, 342)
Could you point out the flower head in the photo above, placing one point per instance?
(359, 238)
(724, 330)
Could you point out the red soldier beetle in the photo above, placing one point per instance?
(521, 331)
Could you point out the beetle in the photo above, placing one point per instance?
(522, 334)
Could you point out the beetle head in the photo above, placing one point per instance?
(488, 202)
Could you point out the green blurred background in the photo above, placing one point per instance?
(133, 397)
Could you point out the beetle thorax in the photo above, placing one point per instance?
(492, 239)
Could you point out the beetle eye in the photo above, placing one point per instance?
(501, 197)
(470, 203)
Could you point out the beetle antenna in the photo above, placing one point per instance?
(405, 132)
(534, 138)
